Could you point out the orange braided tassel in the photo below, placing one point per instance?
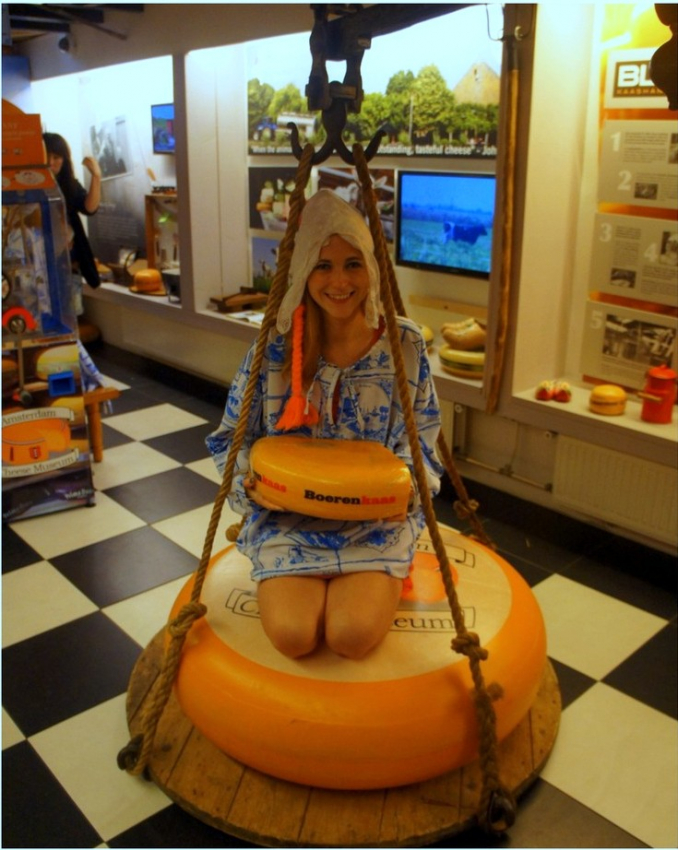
(297, 411)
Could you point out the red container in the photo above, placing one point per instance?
(659, 395)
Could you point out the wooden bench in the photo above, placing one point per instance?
(93, 402)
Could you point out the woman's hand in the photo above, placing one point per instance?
(92, 166)
(250, 486)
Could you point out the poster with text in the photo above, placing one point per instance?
(635, 257)
(621, 344)
(433, 87)
(639, 164)
(628, 84)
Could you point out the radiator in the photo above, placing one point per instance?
(626, 491)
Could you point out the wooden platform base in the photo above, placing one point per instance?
(247, 804)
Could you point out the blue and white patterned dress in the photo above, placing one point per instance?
(359, 402)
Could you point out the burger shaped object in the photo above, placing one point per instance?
(608, 400)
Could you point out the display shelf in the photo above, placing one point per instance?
(628, 432)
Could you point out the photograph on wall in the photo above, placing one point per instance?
(433, 87)
(344, 181)
(639, 164)
(110, 147)
(269, 193)
(635, 257)
(264, 254)
(621, 344)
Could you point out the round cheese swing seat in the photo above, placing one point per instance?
(398, 749)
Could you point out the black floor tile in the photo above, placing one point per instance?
(173, 827)
(167, 494)
(15, 552)
(52, 676)
(112, 438)
(571, 682)
(651, 673)
(553, 549)
(36, 810)
(548, 818)
(532, 573)
(632, 573)
(131, 400)
(125, 565)
(184, 446)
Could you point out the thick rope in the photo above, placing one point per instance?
(466, 642)
(135, 757)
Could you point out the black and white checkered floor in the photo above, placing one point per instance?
(85, 590)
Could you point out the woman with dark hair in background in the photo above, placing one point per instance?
(79, 201)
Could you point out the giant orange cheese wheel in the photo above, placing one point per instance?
(403, 714)
(334, 479)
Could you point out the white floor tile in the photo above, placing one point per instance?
(589, 631)
(190, 529)
(65, 531)
(620, 758)
(81, 752)
(129, 462)
(37, 598)
(11, 734)
(153, 421)
(142, 616)
(205, 467)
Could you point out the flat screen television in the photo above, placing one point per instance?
(162, 124)
(444, 221)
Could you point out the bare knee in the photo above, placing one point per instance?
(350, 638)
(292, 639)
(291, 611)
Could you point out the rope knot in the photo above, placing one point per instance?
(467, 509)
(181, 624)
(469, 644)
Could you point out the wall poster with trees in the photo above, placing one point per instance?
(434, 87)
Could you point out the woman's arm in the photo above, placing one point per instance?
(93, 198)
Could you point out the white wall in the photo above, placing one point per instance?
(556, 148)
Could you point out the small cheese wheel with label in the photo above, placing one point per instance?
(332, 479)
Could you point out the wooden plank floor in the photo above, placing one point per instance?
(245, 803)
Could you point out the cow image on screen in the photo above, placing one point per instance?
(445, 221)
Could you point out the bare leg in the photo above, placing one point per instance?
(292, 610)
(360, 609)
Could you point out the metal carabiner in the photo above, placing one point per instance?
(334, 99)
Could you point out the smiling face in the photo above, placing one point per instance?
(339, 282)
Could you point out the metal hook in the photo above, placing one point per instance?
(334, 122)
(334, 99)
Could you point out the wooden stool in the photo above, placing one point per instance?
(93, 402)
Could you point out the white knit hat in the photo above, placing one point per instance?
(324, 215)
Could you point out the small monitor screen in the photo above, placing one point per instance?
(444, 221)
(162, 122)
